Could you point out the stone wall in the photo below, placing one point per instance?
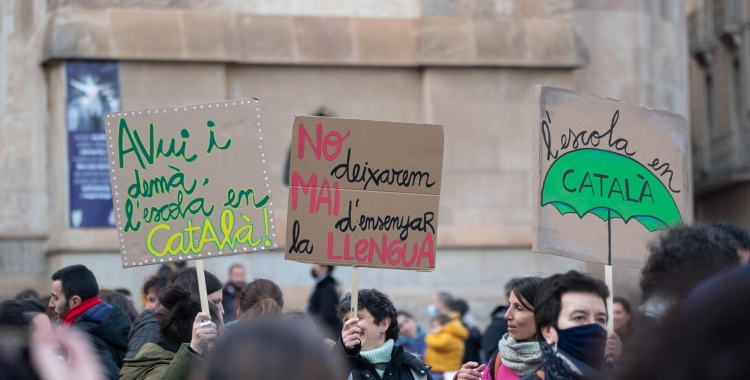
(470, 65)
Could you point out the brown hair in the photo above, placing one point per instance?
(261, 298)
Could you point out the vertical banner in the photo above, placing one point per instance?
(92, 90)
(607, 177)
(364, 193)
(190, 182)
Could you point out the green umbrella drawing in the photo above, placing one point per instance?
(609, 185)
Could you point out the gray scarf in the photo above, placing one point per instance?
(522, 358)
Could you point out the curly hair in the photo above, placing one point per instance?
(548, 300)
(378, 304)
(684, 257)
(182, 306)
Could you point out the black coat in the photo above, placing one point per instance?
(495, 331)
(322, 307)
(473, 346)
(108, 328)
(145, 330)
(400, 368)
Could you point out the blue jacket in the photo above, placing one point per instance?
(413, 345)
(108, 329)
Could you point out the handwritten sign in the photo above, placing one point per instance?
(364, 193)
(190, 182)
(607, 177)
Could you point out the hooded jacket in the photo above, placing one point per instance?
(322, 307)
(108, 328)
(495, 331)
(145, 330)
(157, 362)
(446, 348)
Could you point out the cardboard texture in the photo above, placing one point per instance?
(607, 177)
(349, 174)
(190, 182)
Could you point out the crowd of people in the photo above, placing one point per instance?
(691, 325)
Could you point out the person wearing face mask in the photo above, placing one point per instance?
(439, 304)
(323, 301)
(571, 319)
(368, 341)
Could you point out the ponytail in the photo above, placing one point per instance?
(261, 298)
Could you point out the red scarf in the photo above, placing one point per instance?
(73, 314)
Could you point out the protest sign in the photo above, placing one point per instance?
(364, 193)
(607, 176)
(190, 182)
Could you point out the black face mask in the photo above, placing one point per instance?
(584, 343)
(313, 274)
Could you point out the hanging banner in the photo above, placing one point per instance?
(607, 177)
(364, 193)
(92, 89)
(190, 182)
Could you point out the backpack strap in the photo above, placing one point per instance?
(494, 363)
(498, 361)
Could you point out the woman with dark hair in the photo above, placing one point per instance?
(145, 329)
(368, 341)
(571, 320)
(260, 299)
(184, 338)
(273, 349)
(621, 317)
(518, 353)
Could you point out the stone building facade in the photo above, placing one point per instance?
(470, 65)
(719, 38)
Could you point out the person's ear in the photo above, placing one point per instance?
(74, 301)
(385, 324)
(239, 313)
(550, 334)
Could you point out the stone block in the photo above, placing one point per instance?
(608, 29)
(265, 38)
(500, 40)
(146, 34)
(432, 8)
(619, 5)
(155, 84)
(470, 153)
(543, 8)
(552, 41)
(321, 40)
(78, 34)
(386, 41)
(514, 155)
(209, 36)
(607, 64)
(445, 40)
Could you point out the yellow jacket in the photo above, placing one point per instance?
(445, 350)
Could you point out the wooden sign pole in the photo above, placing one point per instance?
(202, 285)
(355, 290)
(610, 310)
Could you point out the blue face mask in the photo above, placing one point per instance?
(584, 343)
(432, 311)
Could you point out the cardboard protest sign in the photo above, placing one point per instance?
(364, 193)
(607, 177)
(190, 182)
